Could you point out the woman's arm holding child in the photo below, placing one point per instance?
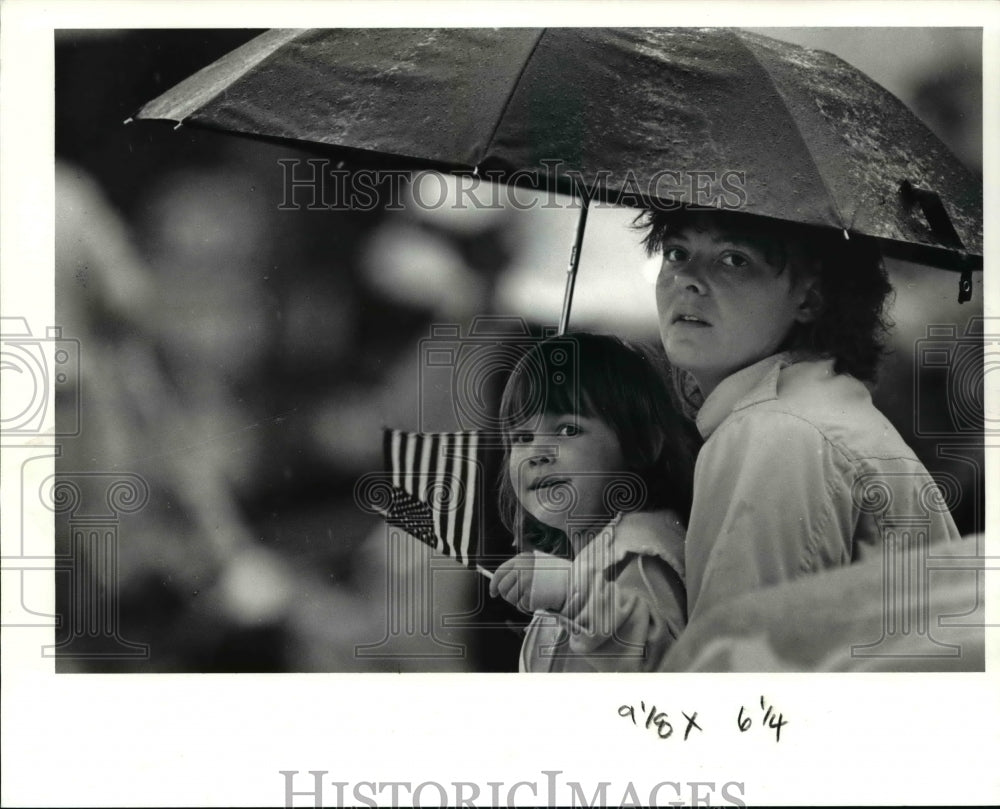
(632, 611)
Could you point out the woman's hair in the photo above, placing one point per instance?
(626, 387)
(851, 292)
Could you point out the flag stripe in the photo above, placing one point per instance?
(470, 489)
(455, 446)
(411, 447)
(439, 477)
(435, 441)
(417, 459)
(397, 438)
(426, 449)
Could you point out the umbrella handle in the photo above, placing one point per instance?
(574, 263)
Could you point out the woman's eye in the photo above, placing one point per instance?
(675, 254)
(568, 430)
(736, 260)
(521, 438)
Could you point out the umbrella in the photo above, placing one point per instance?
(653, 117)
(693, 116)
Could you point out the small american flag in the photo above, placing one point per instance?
(437, 484)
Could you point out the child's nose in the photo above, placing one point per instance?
(541, 456)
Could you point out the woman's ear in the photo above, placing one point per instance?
(811, 303)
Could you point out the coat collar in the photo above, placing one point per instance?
(754, 384)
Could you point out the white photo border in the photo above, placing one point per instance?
(122, 740)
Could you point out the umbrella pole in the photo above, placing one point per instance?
(574, 262)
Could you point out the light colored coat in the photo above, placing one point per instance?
(799, 473)
(625, 606)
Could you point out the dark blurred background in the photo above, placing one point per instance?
(242, 360)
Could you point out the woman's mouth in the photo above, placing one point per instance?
(691, 320)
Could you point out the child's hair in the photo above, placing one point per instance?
(627, 387)
(852, 288)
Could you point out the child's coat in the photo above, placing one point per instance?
(626, 600)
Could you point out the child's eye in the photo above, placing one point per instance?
(521, 438)
(568, 430)
(675, 254)
(737, 261)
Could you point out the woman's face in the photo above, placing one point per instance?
(561, 468)
(722, 304)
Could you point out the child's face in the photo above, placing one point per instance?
(722, 304)
(561, 469)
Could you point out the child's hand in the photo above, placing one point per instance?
(512, 581)
(531, 586)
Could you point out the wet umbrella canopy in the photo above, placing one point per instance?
(637, 116)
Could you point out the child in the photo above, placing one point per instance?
(775, 328)
(597, 481)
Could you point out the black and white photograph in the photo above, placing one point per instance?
(362, 364)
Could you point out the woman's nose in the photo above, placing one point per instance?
(690, 275)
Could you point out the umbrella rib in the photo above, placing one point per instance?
(795, 128)
(223, 74)
(513, 89)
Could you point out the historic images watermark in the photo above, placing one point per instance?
(37, 371)
(949, 382)
(546, 789)
(42, 408)
(439, 508)
(950, 368)
(945, 360)
(462, 373)
(321, 184)
(93, 504)
(906, 555)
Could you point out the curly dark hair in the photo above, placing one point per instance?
(853, 289)
(626, 386)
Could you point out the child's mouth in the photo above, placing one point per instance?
(547, 483)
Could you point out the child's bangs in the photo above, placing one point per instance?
(545, 381)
